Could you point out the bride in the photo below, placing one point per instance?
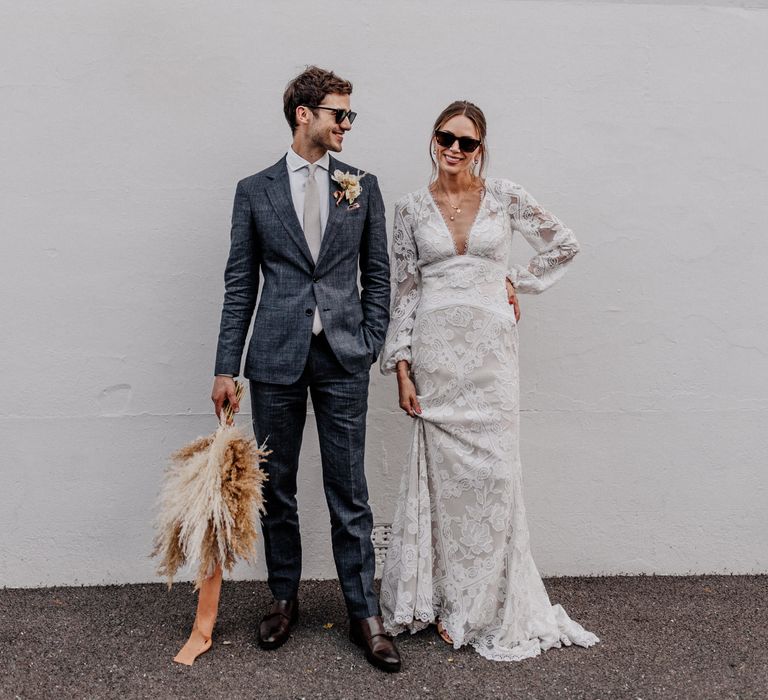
(460, 556)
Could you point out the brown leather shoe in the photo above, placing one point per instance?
(378, 646)
(275, 627)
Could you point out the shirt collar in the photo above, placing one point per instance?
(296, 162)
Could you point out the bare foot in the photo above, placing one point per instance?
(196, 645)
(443, 633)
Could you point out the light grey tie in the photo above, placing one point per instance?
(313, 228)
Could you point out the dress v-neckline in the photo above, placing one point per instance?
(448, 229)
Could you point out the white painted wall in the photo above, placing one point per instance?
(125, 126)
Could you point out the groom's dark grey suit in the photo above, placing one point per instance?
(285, 360)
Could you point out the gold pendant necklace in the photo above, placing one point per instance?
(456, 208)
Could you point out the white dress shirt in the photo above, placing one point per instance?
(298, 174)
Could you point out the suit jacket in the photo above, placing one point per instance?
(267, 238)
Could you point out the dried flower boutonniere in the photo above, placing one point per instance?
(350, 187)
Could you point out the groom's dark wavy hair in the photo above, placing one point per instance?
(310, 88)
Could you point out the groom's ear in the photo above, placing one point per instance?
(303, 115)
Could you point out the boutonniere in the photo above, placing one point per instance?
(350, 187)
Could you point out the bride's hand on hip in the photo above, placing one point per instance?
(407, 390)
(512, 297)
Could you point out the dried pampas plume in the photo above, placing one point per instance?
(210, 496)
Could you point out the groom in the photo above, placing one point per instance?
(314, 331)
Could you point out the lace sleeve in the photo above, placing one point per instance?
(554, 243)
(406, 291)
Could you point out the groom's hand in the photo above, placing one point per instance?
(223, 389)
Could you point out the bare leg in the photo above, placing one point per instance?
(207, 607)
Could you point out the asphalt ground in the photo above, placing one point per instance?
(662, 637)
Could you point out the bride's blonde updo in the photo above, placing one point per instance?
(475, 115)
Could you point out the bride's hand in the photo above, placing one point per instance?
(407, 390)
(512, 297)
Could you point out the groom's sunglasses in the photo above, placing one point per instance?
(466, 144)
(341, 114)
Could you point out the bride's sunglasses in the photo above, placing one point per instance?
(340, 114)
(466, 144)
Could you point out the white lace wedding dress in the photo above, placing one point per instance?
(460, 550)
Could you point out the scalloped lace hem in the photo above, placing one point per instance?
(485, 642)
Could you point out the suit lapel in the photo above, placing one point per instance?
(279, 193)
(335, 213)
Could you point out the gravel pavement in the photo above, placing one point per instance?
(662, 637)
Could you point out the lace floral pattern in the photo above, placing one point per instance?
(460, 548)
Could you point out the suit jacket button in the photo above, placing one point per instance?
(309, 312)
(315, 279)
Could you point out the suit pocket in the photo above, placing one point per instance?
(347, 318)
(269, 319)
(355, 313)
